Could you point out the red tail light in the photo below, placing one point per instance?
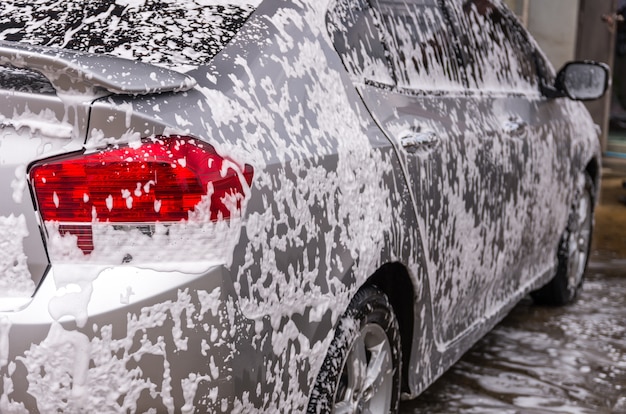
(162, 180)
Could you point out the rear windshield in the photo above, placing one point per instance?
(174, 33)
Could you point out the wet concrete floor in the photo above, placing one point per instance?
(552, 360)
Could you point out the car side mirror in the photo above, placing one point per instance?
(583, 80)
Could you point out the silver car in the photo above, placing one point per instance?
(276, 206)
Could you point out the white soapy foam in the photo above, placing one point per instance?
(15, 277)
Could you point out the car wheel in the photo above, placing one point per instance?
(573, 252)
(361, 372)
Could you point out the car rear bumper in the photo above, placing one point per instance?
(121, 338)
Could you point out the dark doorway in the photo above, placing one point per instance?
(597, 27)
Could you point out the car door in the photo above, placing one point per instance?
(416, 91)
(528, 134)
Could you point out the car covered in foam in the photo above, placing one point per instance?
(276, 206)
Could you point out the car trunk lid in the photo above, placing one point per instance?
(45, 99)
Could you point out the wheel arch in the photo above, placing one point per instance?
(593, 170)
(393, 280)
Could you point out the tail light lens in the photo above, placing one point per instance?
(163, 180)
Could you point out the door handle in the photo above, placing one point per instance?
(514, 127)
(413, 141)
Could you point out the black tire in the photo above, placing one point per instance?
(368, 332)
(573, 253)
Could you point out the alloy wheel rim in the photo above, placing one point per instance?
(366, 382)
(580, 237)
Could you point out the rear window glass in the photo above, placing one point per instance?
(171, 33)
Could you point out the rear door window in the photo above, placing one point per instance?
(355, 30)
(421, 44)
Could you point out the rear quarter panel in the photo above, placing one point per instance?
(328, 202)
